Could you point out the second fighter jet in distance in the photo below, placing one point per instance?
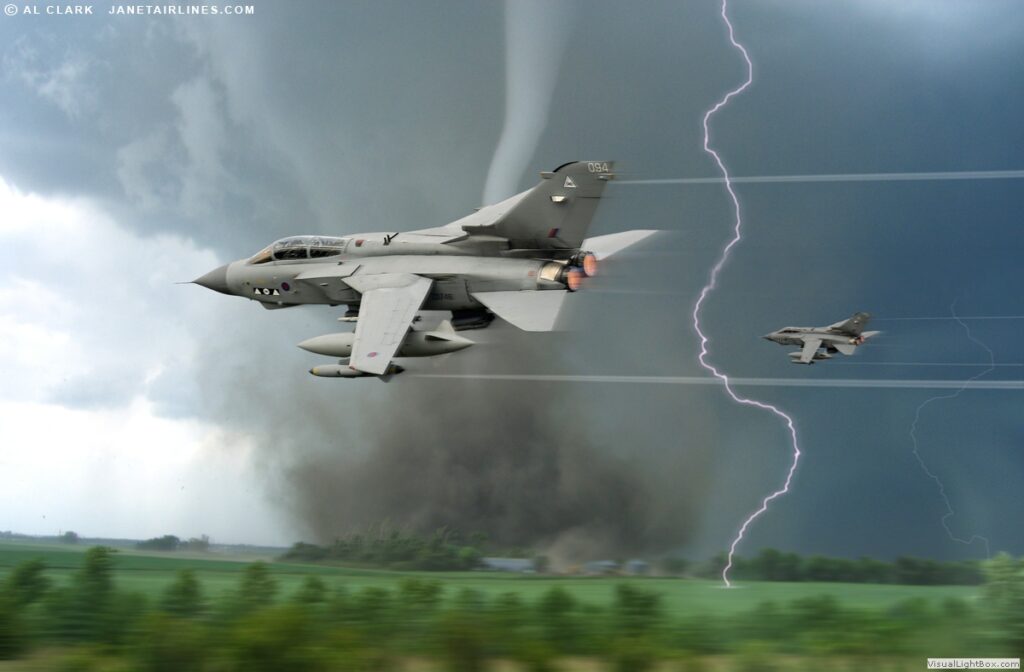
(819, 343)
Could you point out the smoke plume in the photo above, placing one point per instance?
(508, 461)
(522, 463)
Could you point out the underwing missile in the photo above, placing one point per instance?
(440, 341)
(343, 371)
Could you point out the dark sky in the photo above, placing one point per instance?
(188, 141)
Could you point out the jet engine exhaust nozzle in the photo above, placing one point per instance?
(563, 273)
(587, 261)
(573, 277)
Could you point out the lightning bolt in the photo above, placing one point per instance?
(710, 286)
(913, 435)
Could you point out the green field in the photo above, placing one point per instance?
(150, 573)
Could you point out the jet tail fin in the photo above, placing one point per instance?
(554, 215)
(853, 326)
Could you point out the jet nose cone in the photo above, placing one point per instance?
(217, 280)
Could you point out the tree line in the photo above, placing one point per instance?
(444, 550)
(774, 565)
(254, 626)
(447, 550)
(169, 542)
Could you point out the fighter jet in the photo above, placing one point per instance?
(841, 337)
(518, 260)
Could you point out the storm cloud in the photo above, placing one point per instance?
(197, 140)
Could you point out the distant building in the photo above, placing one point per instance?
(638, 567)
(518, 565)
(601, 567)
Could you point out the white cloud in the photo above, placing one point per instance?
(92, 325)
(127, 472)
(78, 278)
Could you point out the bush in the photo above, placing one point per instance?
(557, 620)
(533, 655)
(89, 609)
(756, 657)
(632, 655)
(26, 583)
(13, 632)
(277, 638)
(91, 660)
(171, 644)
(257, 588)
(184, 596)
(312, 592)
(637, 611)
(462, 639)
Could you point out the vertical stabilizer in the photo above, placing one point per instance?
(852, 326)
(556, 213)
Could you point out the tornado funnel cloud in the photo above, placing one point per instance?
(536, 33)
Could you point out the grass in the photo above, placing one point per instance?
(60, 659)
(150, 573)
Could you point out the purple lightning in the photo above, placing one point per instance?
(913, 436)
(710, 286)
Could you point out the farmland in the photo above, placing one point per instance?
(151, 573)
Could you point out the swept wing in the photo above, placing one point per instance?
(388, 306)
(811, 346)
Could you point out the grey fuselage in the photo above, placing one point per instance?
(796, 335)
(457, 272)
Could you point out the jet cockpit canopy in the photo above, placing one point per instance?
(300, 247)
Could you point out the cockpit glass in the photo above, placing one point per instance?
(300, 247)
(323, 246)
(288, 249)
(263, 256)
